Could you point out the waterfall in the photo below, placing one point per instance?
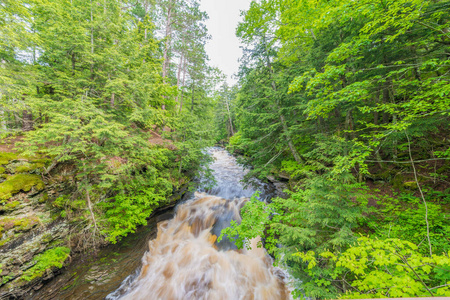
(186, 262)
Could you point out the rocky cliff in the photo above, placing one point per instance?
(33, 239)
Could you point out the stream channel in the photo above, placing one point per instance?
(176, 256)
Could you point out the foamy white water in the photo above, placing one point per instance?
(186, 262)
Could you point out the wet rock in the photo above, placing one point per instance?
(18, 256)
(27, 229)
(279, 186)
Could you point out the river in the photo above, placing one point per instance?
(186, 262)
(176, 256)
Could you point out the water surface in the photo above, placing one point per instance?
(185, 261)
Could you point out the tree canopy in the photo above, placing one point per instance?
(348, 102)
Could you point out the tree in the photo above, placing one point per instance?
(331, 93)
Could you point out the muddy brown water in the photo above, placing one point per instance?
(177, 255)
(97, 276)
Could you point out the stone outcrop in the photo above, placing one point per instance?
(33, 239)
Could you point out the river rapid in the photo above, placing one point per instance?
(185, 261)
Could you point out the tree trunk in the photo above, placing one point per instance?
(92, 44)
(289, 140)
(286, 132)
(183, 82)
(320, 124)
(192, 101)
(168, 43)
(3, 120)
(180, 67)
(27, 119)
(229, 117)
(385, 100)
(349, 125)
(375, 117)
(376, 114)
(166, 58)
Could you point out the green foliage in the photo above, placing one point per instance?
(88, 84)
(322, 213)
(225, 114)
(238, 144)
(254, 218)
(46, 261)
(134, 203)
(380, 268)
(403, 217)
(330, 92)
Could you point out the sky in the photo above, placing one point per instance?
(223, 50)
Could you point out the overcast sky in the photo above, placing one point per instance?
(223, 50)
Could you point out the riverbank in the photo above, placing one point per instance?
(45, 222)
(97, 275)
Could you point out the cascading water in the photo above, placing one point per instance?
(186, 262)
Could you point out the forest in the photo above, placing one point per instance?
(345, 102)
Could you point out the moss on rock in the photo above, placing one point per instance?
(5, 157)
(5, 241)
(49, 259)
(25, 224)
(19, 182)
(11, 205)
(18, 224)
(27, 167)
(43, 197)
(410, 185)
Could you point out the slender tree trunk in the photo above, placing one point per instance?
(391, 99)
(180, 67)
(376, 114)
(3, 120)
(27, 119)
(168, 43)
(289, 140)
(395, 142)
(192, 100)
(421, 194)
(88, 201)
(229, 117)
(180, 64)
(286, 132)
(166, 57)
(89, 204)
(92, 43)
(319, 125)
(385, 100)
(337, 115)
(349, 124)
(415, 68)
(183, 83)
